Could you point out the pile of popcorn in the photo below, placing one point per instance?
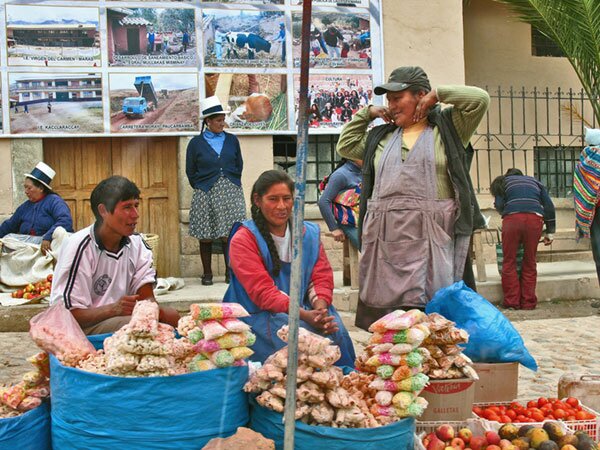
(217, 335)
(28, 393)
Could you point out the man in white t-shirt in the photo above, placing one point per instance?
(104, 269)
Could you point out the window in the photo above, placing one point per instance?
(554, 168)
(542, 45)
(320, 161)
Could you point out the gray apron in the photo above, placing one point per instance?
(408, 245)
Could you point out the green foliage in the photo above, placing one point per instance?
(174, 19)
(575, 27)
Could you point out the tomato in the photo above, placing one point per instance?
(521, 418)
(478, 410)
(515, 405)
(487, 413)
(559, 413)
(496, 409)
(581, 415)
(505, 419)
(537, 416)
(570, 418)
(532, 404)
(589, 416)
(542, 401)
(550, 417)
(572, 402)
(512, 414)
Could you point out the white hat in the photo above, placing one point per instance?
(42, 173)
(211, 106)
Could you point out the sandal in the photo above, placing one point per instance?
(207, 280)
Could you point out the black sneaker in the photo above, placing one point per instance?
(207, 280)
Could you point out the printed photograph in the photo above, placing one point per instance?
(256, 101)
(334, 99)
(52, 36)
(360, 3)
(337, 40)
(234, 38)
(55, 103)
(153, 102)
(151, 37)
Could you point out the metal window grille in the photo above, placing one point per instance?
(539, 131)
(321, 159)
(542, 45)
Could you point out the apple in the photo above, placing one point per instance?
(492, 438)
(457, 443)
(445, 432)
(49, 278)
(436, 444)
(20, 293)
(478, 443)
(492, 447)
(465, 434)
(29, 288)
(427, 439)
(504, 443)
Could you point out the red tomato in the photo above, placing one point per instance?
(515, 405)
(570, 418)
(505, 419)
(572, 402)
(532, 404)
(547, 407)
(542, 401)
(559, 413)
(537, 416)
(512, 414)
(581, 415)
(496, 409)
(487, 413)
(477, 410)
(550, 417)
(589, 416)
(521, 418)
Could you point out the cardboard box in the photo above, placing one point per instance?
(449, 400)
(498, 382)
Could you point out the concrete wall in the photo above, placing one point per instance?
(427, 34)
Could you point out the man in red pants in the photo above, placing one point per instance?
(525, 207)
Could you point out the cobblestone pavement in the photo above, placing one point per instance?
(558, 345)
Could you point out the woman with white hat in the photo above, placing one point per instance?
(37, 218)
(214, 169)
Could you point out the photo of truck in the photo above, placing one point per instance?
(134, 107)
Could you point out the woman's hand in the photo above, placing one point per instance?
(380, 112)
(338, 235)
(428, 101)
(45, 246)
(319, 318)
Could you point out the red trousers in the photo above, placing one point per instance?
(525, 228)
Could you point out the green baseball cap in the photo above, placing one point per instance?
(403, 78)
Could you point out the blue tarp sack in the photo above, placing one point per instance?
(29, 431)
(492, 338)
(180, 412)
(397, 436)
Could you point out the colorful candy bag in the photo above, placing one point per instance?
(403, 399)
(212, 329)
(397, 320)
(415, 409)
(412, 359)
(227, 341)
(415, 383)
(235, 325)
(207, 311)
(414, 335)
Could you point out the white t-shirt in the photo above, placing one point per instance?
(284, 245)
(88, 276)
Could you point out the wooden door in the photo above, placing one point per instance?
(81, 163)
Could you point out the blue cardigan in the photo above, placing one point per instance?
(40, 218)
(204, 166)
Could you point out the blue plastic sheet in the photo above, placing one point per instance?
(397, 436)
(184, 412)
(29, 431)
(492, 338)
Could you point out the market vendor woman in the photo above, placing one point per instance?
(37, 218)
(104, 269)
(260, 252)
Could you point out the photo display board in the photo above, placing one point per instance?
(87, 68)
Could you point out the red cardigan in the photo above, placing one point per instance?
(247, 263)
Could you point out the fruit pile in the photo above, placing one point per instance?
(538, 410)
(509, 437)
(39, 289)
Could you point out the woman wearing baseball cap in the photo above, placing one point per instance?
(37, 218)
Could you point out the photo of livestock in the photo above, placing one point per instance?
(165, 102)
(334, 99)
(55, 103)
(256, 101)
(52, 36)
(158, 37)
(234, 38)
(337, 40)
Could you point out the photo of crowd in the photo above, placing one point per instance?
(334, 99)
(337, 40)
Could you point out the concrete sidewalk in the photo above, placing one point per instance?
(557, 281)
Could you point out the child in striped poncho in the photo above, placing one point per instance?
(586, 190)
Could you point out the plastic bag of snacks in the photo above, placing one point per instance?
(207, 311)
(397, 320)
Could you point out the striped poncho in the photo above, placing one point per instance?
(586, 188)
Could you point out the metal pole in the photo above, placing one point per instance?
(297, 232)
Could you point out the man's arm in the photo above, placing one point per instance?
(92, 316)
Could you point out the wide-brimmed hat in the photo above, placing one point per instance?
(42, 173)
(403, 78)
(211, 106)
